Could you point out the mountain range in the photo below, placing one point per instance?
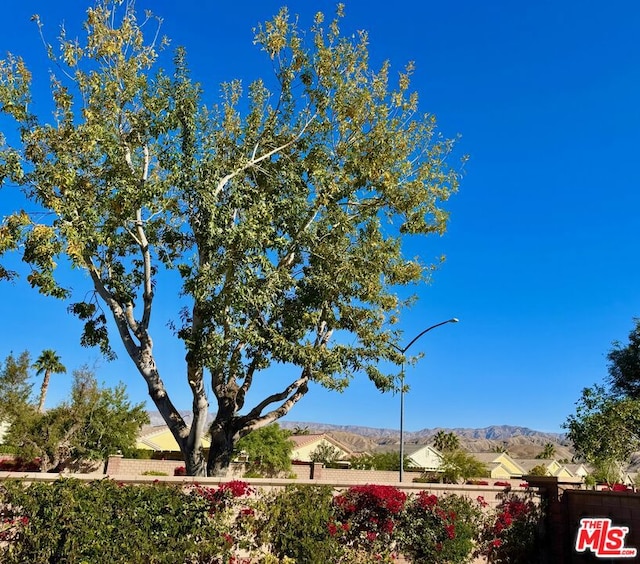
(520, 442)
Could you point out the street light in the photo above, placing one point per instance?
(402, 351)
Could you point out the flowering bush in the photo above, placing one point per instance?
(439, 530)
(111, 522)
(502, 484)
(511, 534)
(180, 471)
(293, 523)
(618, 488)
(365, 518)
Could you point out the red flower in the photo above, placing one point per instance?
(451, 531)
(332, 529)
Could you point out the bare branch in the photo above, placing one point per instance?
(254, 161)
(292, 393)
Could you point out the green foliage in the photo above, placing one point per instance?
(326, 454)
(606, 472)
(624, 365)
(446, 442)
(439, 530)
(378, 461)
(104, 522)
(365, 519)
(539, 470)
(457, 465)
(302, 535)
(15, 388)
(284, 212)
(47, 363)
(605, 426)
(96, 422)
(511, 534)
(548, 452)
(268, 450)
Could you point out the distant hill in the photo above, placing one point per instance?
(520, 442)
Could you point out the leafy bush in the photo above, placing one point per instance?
(512, 532)
(439, 530)
(268, 450)
(107, 522)
(365, 518)
(294, 524)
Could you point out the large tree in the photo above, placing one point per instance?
(283, 209)
(605, 428)
(47, 363)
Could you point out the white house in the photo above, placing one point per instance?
(420, 457)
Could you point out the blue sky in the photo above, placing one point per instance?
(542, 256)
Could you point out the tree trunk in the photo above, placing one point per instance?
(221, 451)
(43, 390)
(194, 463)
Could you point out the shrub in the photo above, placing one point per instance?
(439, 530)
(154, 473)
(511, 534)
(365, 518)
(106, 522)
(293, 523)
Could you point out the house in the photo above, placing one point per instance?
(578, 470)
(552, 467)
(305, 445)
(159, 438)
(500, 465)
(419, 457)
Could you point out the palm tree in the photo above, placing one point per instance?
(49, 363)
(446, 442)
(548, 452)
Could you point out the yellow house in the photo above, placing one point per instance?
(500, 465)
(158, 438)
(553, 467)
(305, 445)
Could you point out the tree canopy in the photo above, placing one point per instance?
(268, 450)
(15, 387)
(93, 424)
(283, 209)
(605, 428)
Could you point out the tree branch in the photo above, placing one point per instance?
(254, 161)
(119, 314)
(292, 393)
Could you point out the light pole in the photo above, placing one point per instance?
(402, 351)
